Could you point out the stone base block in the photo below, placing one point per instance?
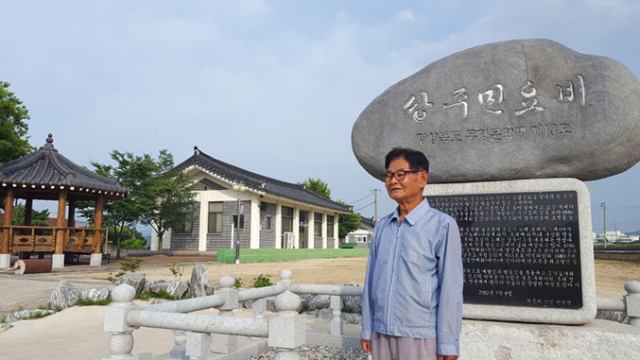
(5, 261)
(599, 339)
(57, 261)
(96, 260)
(224, 344)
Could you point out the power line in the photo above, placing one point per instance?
(353, 202)
(371, 203)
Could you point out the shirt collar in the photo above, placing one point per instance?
(415, 214)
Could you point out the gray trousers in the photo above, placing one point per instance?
(387, 347)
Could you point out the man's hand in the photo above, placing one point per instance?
(442, 357)
(366, 346)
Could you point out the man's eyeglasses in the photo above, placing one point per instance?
(400, 174)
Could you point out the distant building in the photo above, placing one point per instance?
(364, 234)
(273, 214)
(617, 236)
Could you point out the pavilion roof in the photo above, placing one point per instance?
(47, 169)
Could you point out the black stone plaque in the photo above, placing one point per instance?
(518, 249)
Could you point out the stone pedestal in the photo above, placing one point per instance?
(599, 339)
(58, 261)
(5, 261)
(96, 260)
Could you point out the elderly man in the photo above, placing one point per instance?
(412, 300)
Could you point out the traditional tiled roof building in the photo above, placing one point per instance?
(274, 214)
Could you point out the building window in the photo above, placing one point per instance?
(361, 238)
(267, 224)
(215, 218)
(317, 225)
(287, 219)
(330, 219)
(235, 221)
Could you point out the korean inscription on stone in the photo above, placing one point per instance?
(518, 249)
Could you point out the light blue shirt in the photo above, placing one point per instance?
(413, 285)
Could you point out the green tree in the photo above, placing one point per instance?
(158, 196)
(13, 126)
(38, 218)
(119, 215)
(346, 222)
(167, 197)
(317, 187)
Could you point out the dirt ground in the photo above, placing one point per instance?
(30, 291)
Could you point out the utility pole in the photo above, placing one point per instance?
(375, 201)
(604, 223)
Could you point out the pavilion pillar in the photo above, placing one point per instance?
(58, 256)
(71, 217)
(96, 257)
(5, 255)
(28, 211)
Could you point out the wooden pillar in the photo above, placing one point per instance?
(60, 233)
(97, 223)
(71, 217)
(8, 219)
(28, 211)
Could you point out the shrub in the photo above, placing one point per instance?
(238, 283)
(133, 243)
(162, 294)
(130, 265)
(176, 271)
(89, 302)
(3, 319)
(261, 281)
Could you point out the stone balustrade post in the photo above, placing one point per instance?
(198, 345)
(115, 321)
(632, 302)
(179, 340)
(286, 279)
(225, 344)
(259, 306)
(287, 328)
(336, 321)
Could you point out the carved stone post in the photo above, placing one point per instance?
(115, 321)
(226, 344)
(287, 328)
(336, 321)
(632, 302)
(179, 340)
(286, 278)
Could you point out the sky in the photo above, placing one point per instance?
(273, 87)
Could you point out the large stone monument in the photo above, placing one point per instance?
(511, 129)
(511, 110)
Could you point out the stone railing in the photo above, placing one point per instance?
(629, 304)
(202, 336)
(199, 336)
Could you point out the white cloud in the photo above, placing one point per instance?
(406, 15)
